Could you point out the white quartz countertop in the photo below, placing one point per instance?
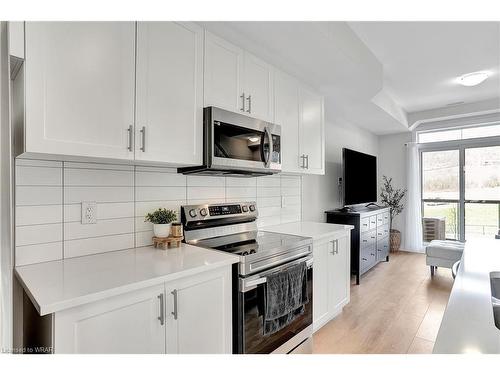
(58, 285)
(468, 324)
(309, 229)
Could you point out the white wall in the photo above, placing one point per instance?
(321, 193)
(392, 163)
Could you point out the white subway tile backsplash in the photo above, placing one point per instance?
(49, 196)
(241, 192)
(205, 181)
(38, 253)
(97, 177)
(73, 212)
(158, 193)
(159, 179)
(142, 208)
(36, 234)
(47, 176)
(38, 163)
(205, 192)
(100, 194)
(33, 215)
(96, 245)
(38, 195)
(76, 230)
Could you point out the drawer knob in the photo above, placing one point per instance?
(364, 259)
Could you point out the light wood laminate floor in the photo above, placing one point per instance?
(397, 309)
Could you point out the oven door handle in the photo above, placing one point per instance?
(246, 285)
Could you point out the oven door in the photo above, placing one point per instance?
(238, 142)
(249, 325)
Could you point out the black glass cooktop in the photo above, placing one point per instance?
(249, 243)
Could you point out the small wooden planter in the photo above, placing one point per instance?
(167, 242)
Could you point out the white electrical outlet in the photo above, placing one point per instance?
(89, 212)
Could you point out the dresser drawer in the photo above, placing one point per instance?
(367, 257)
(383, 231)
(373, 221)
(386, 217)
(368, 238)
(364, 224)
(382, 248)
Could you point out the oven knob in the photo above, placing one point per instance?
(203, 212)
(192, 212)
(244, 208)
(252, 208)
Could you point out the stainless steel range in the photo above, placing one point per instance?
(232, 227)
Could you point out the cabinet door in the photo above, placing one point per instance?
(222, 76)
(312, 136)
(80, 88)
(128, 323)
(169, 93)
(286, 111)
(258, 88)
(321, 289)
(199, 311)
(338, 273)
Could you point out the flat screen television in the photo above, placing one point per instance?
(359, 181)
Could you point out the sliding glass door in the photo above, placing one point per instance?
(461, 185)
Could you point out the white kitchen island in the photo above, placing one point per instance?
(141, 300)
(331, 265)
(468, 325)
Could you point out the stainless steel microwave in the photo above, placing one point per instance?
(237, 145)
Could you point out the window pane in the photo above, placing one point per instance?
(446, 211)
(482, 173)
(481, 220)
(481, 131)
(440, 174)
(444, 135)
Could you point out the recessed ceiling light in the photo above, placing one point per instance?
(473, 79)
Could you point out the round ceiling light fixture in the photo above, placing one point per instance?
(473, 79)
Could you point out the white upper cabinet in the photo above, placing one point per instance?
(79, 88)
(169, 97)
(311, 132)
(236, 80)
(222, 76)
(258, 88)
(286, 110)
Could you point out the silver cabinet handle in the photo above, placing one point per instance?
(249, 110)
(335, 247)
(303, 157)
(130, 131)
(143, 138)
(174, 313)
(307, 161)
(242, 96)
(161, 318)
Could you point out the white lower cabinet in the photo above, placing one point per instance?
(331, 282)
(189, 315)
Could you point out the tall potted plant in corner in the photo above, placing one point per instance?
(162, 221)
(392, 198)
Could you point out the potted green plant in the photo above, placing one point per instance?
(162, 221)
(392, 198)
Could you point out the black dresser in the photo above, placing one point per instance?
(369, 238)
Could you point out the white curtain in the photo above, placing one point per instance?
(413, 223)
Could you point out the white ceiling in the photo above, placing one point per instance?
(422, 59)
(381, 76)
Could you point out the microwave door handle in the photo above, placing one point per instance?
(269, 136)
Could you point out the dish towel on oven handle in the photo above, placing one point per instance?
(286, 295)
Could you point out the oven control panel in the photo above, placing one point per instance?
(224, 210)
(205, 212)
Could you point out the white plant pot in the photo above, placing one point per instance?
(161, 230)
